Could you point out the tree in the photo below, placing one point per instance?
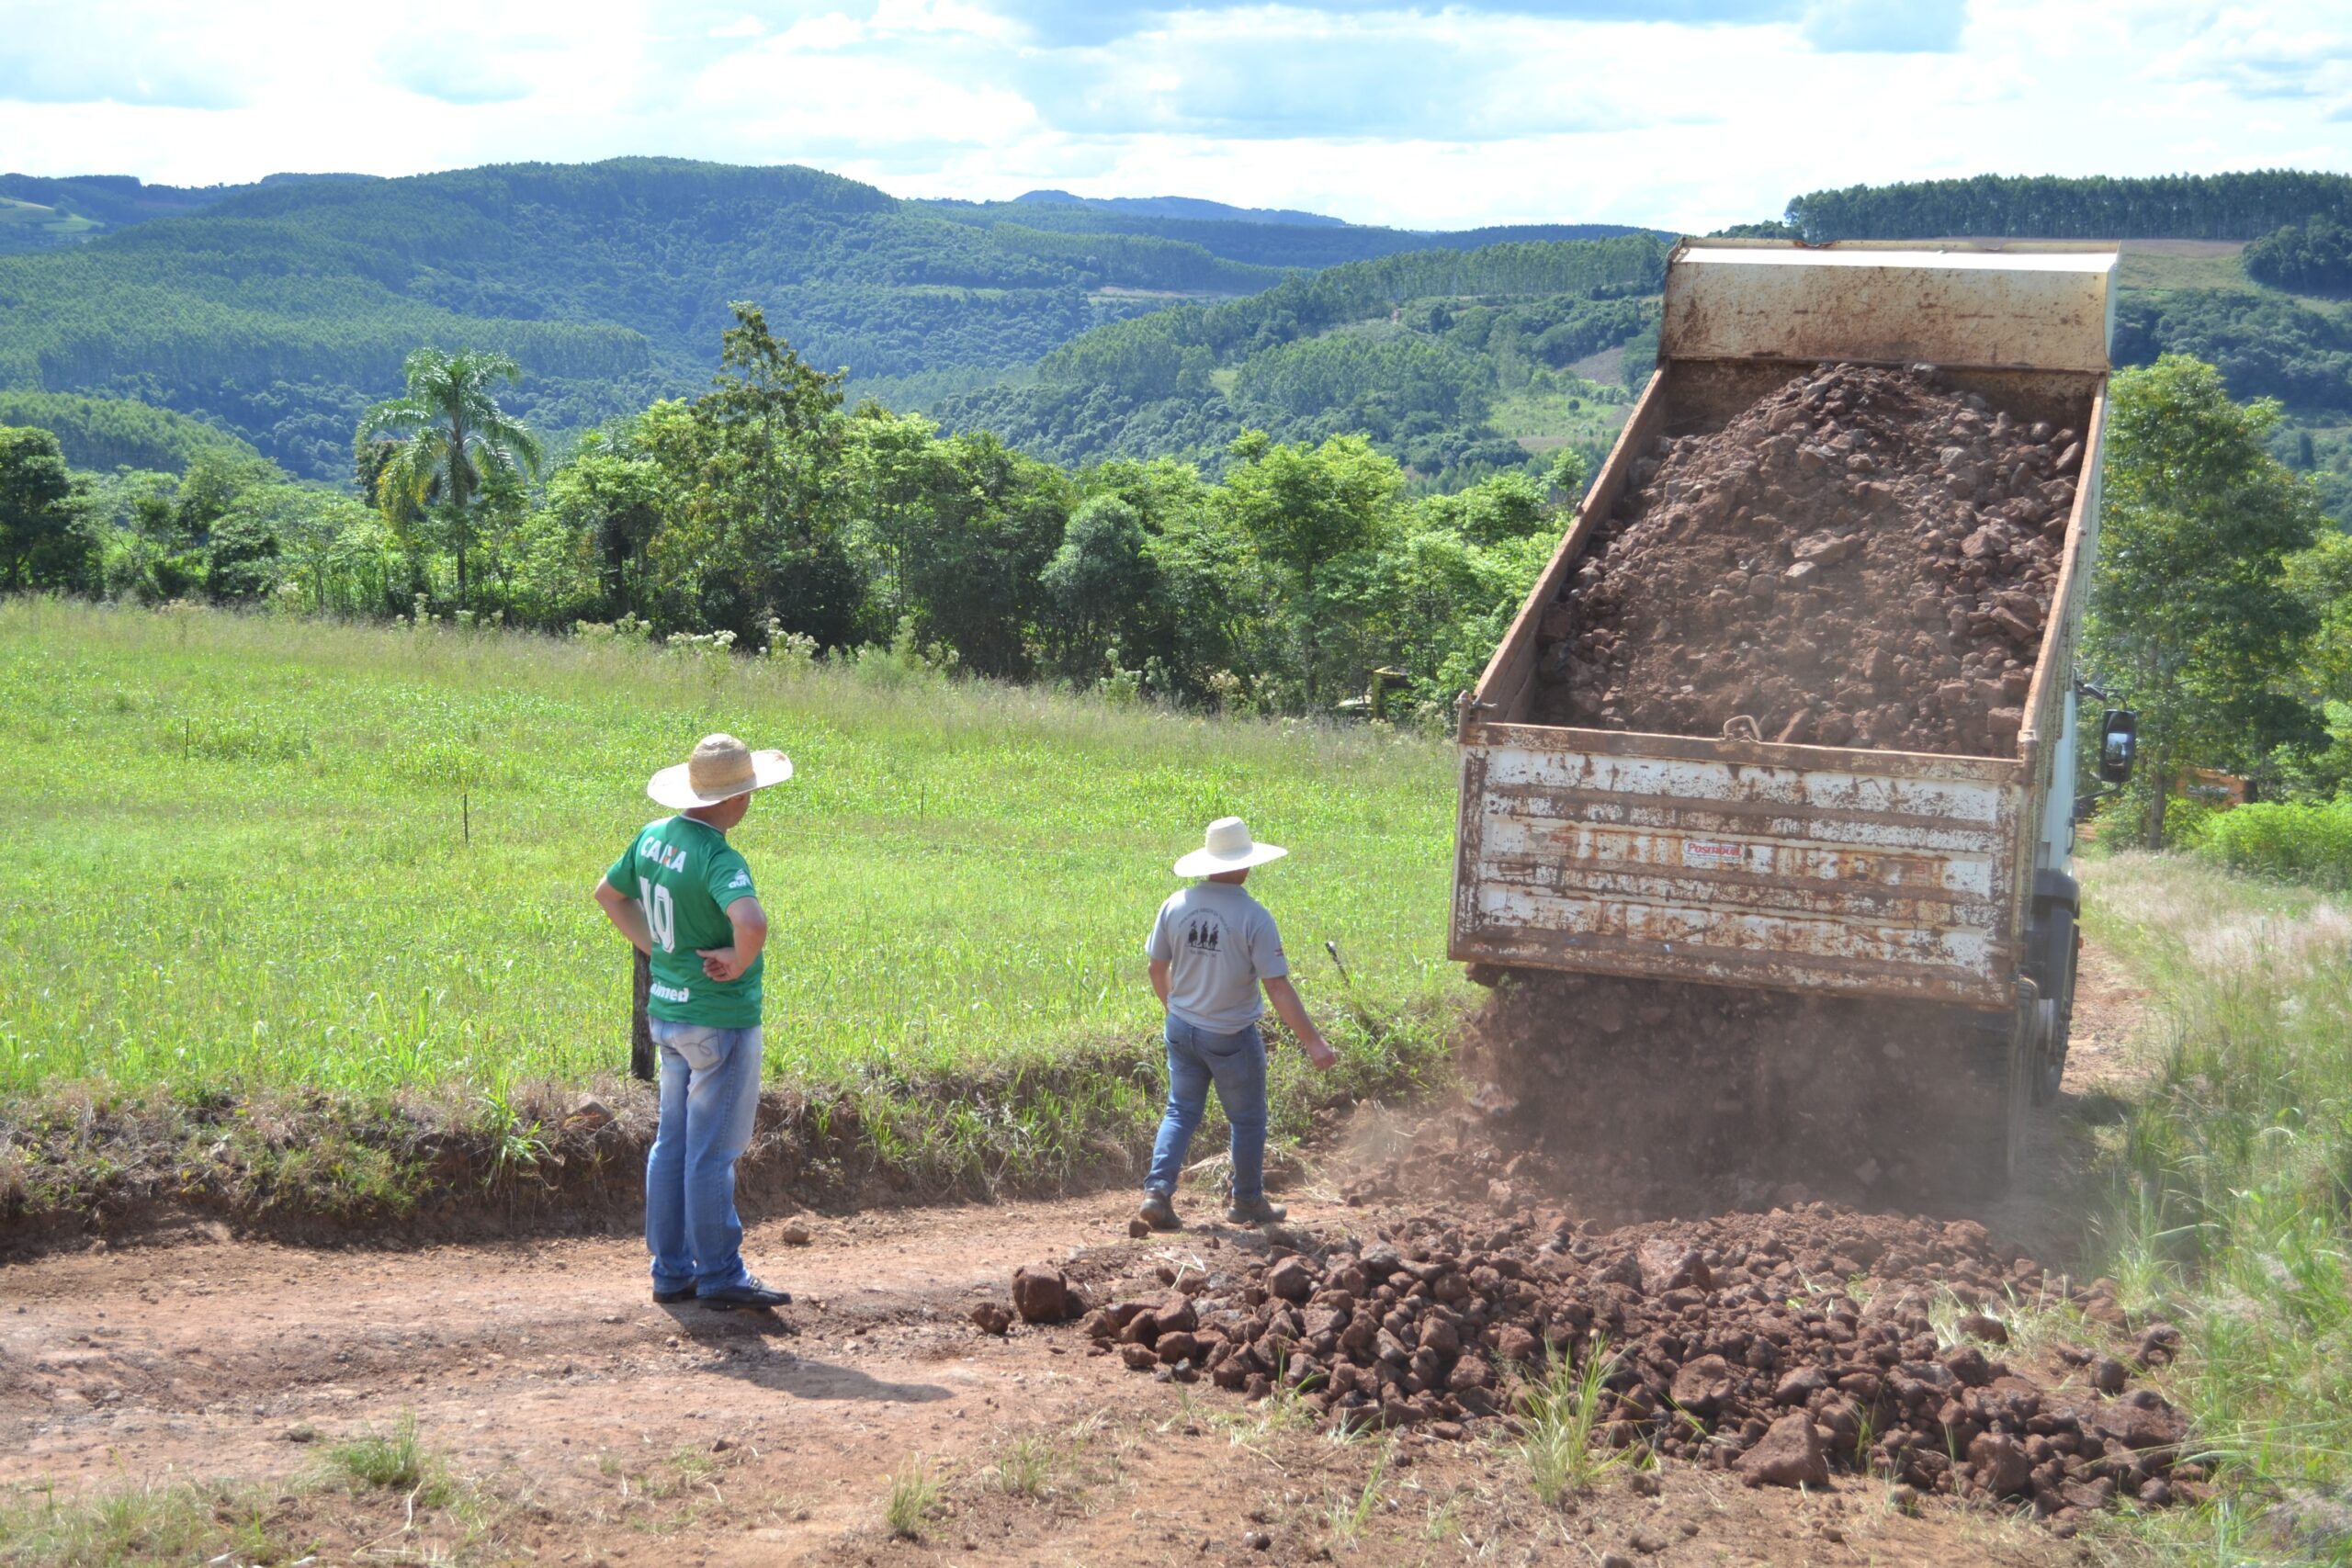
(2313, 258)
(228, 510)
(756, 495)
(1303, 508)
(450, 438)
(1100, 582)
(2192, 616)
(610, 494)
(971, 580)
(40, 546)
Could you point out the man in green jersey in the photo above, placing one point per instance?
(684, 895)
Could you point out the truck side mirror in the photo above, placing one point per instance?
(2119, 745)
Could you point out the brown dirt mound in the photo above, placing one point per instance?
(1777, 1345)
(1860, 557)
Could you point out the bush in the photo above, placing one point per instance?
(2295, 840)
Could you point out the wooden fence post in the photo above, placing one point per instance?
(640, 1030)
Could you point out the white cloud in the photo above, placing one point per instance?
(1423, 113)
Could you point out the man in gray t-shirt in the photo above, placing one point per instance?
(1212, 949)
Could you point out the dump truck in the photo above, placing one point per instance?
(1942, 881)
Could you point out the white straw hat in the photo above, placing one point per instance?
(721, 768)
(1227, 846)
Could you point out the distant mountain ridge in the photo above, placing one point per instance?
(105, 202)
(1192, 207)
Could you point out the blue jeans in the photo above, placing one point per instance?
(710, 1091)
(1237, 1064)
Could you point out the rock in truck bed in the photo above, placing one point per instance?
(1861, 557)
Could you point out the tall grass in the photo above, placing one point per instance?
(1560, 1423)
(255, 851)
(2234, 1176)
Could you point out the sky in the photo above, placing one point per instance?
(1681, 114)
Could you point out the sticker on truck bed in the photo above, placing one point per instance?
(1715, 854)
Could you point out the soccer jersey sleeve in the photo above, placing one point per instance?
(730, 878)
(623, 873)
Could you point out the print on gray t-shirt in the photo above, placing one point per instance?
(1219, 944)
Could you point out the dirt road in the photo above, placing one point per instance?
(567, 1419)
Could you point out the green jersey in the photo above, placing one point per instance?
(682, 875)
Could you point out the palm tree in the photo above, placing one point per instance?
(448, 438)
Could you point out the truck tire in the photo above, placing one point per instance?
(2057, 947)
(1995, 1115)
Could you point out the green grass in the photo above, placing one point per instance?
(2182, 264)
(397, 1460)
(1346, 1517)
(156, 1524)
(1543, 420)
(1559, 1424)
(1027, 1468)
(2234, 1183)
(913, 1495)
(351, 866)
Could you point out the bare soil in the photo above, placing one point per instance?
(1861, 557)
(580, 1424)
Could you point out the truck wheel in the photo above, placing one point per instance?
(1999, 1095)
(2058, 948)
(2018, 1092)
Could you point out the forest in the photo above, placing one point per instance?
(769, 514)
(1413, 351)
(2093, 207)
(277, 311)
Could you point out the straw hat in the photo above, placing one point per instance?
(720, 769)
(1227, 846)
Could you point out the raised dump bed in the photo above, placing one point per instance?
(1806, 722)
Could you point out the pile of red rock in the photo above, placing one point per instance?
(1780, 1346)
(1861, 557)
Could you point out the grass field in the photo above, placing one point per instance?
(1543, 422)
(2233, 1181)
(254, 866)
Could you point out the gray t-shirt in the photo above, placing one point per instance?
(1219, 943)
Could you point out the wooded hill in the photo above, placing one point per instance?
(2096, 207)
(279, 311)
(1415, 351)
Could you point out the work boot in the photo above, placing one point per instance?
(1159, 1212)
(1255, 1211)
(750, 1294)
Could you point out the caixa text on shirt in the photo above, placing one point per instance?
(669, 857)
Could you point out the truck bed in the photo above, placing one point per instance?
(1747, 862)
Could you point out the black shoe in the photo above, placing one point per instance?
(1159, 1212)
(751, 1293)
(670, 1298)
(1255, 1213)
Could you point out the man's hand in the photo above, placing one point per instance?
(750, 923)
(1292, 1011)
